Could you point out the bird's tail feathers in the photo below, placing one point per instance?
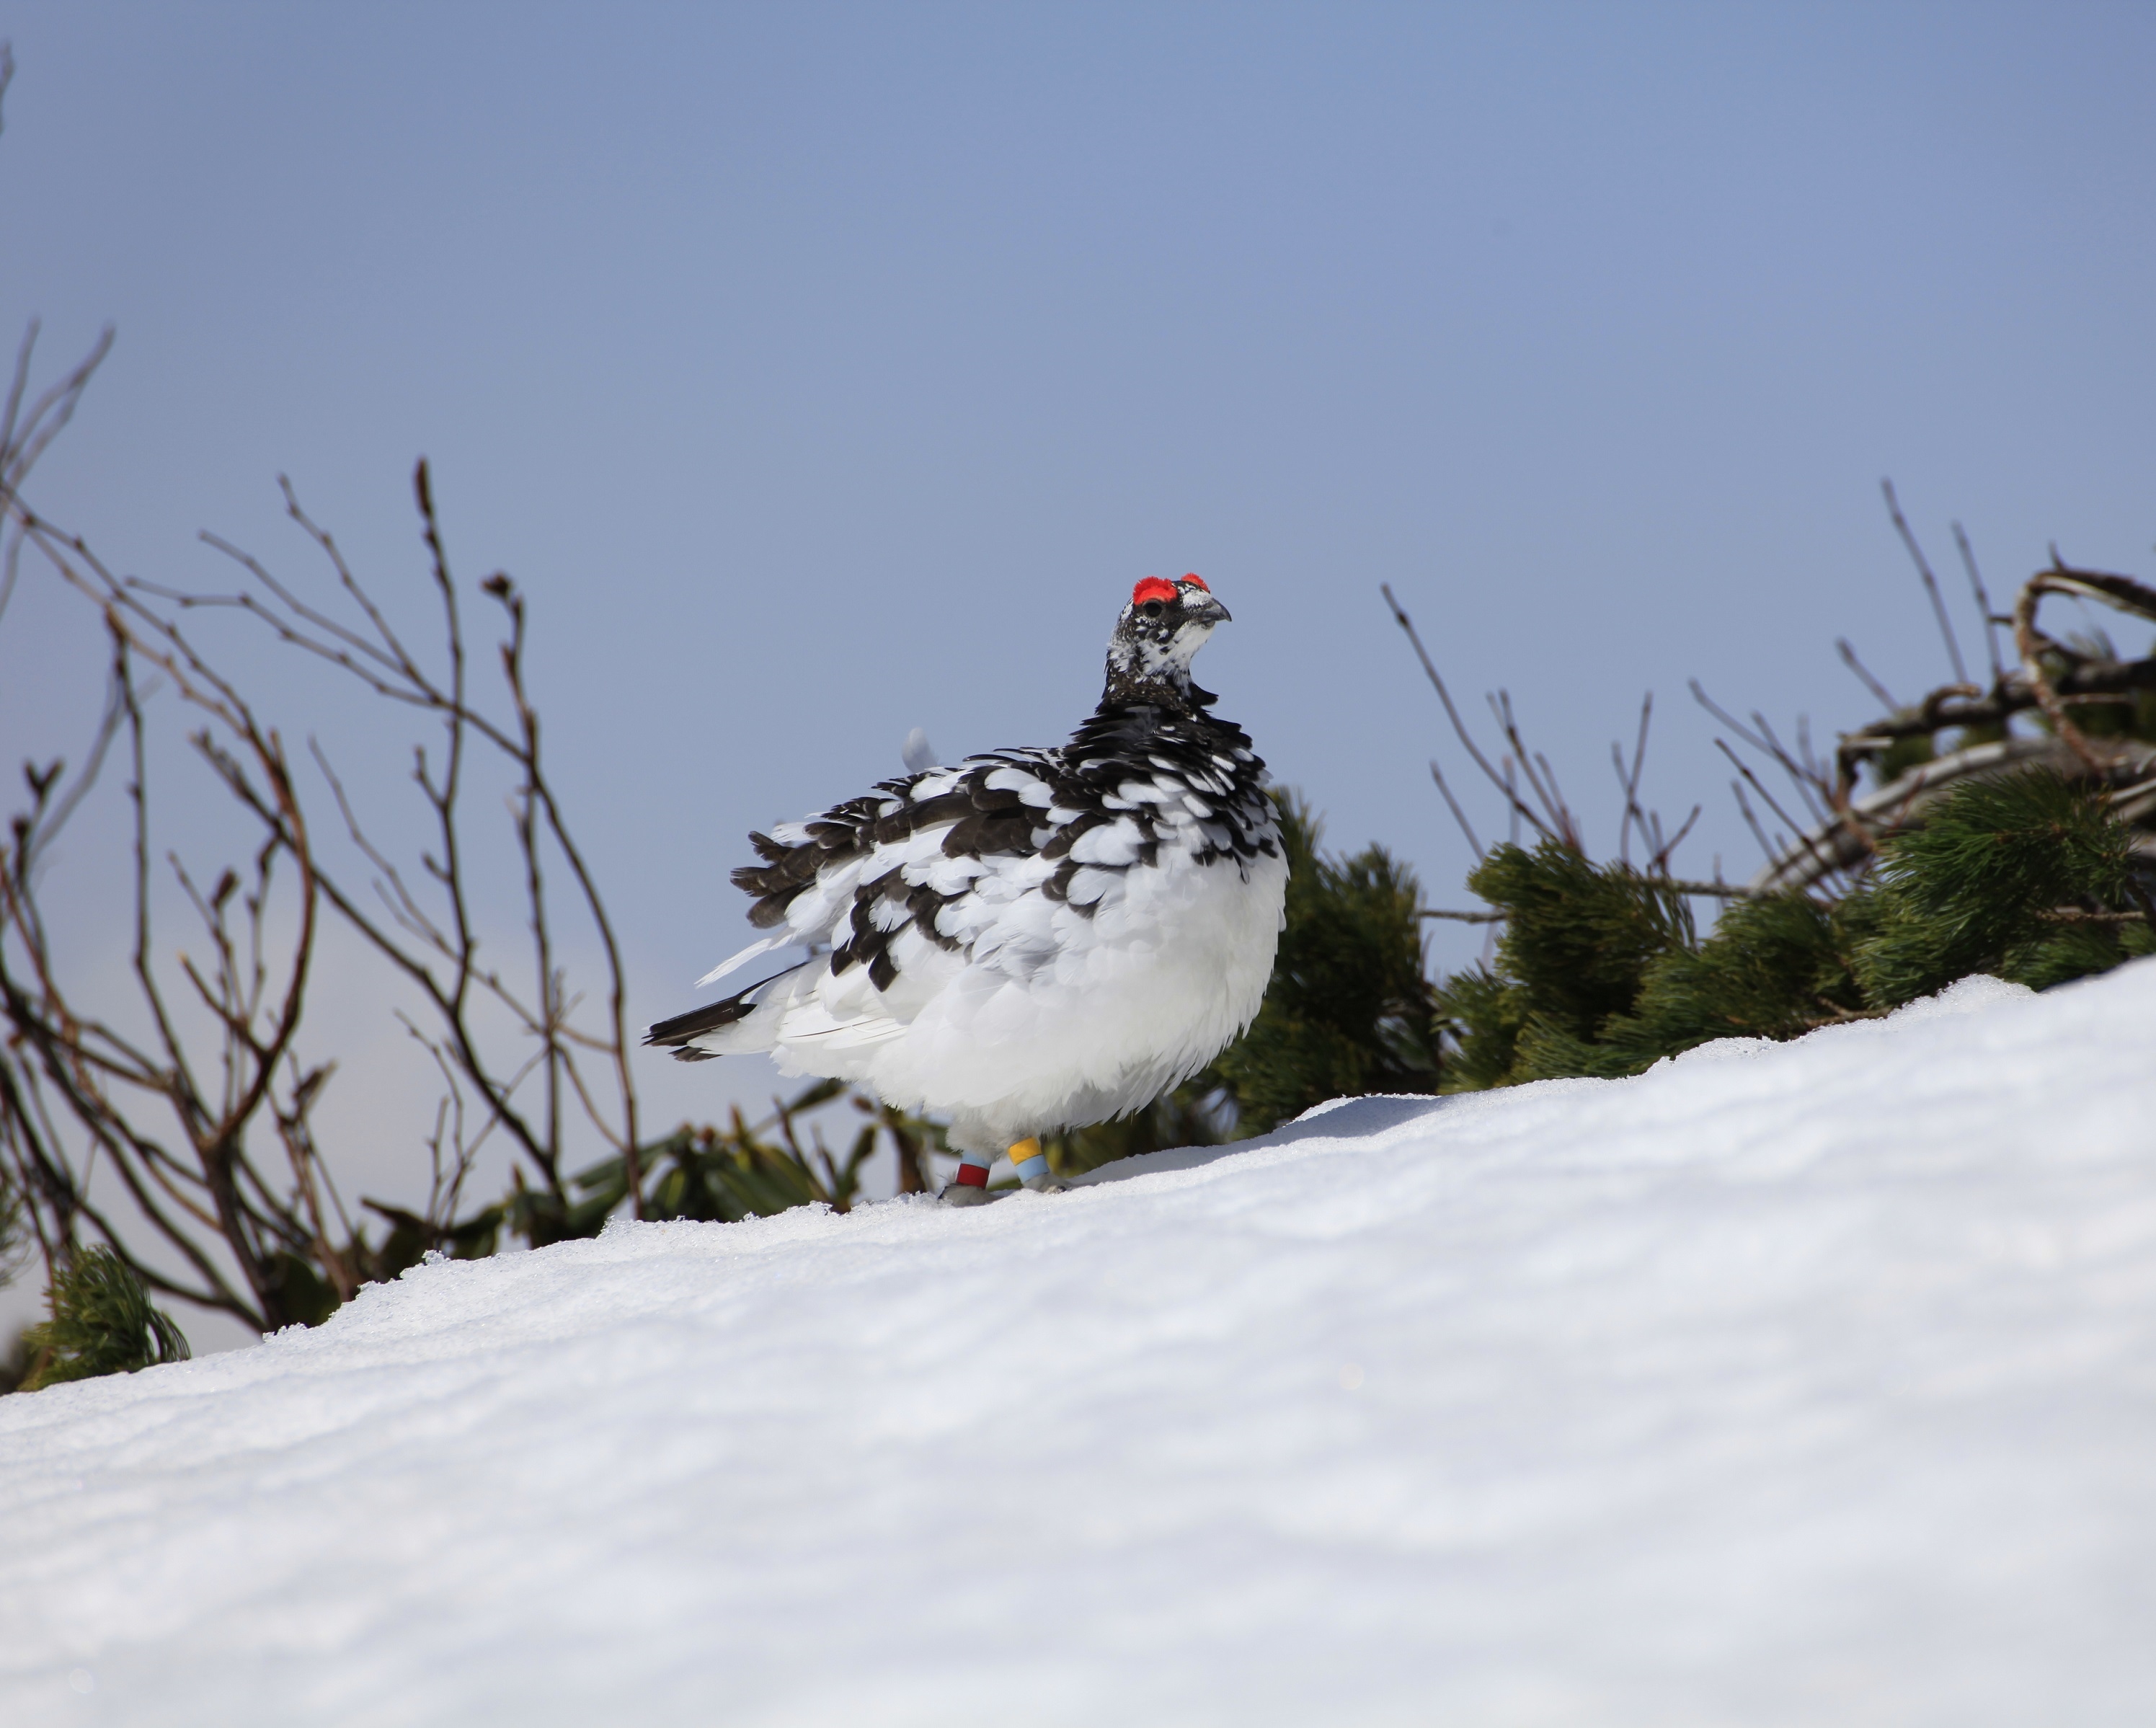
(723, 1028)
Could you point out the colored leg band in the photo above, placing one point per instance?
(1028, 1168)
(972, 1175)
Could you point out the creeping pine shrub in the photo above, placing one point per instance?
(1599, 972)
(1349, 1009)
(1964, 893)
(1579, 938)
(102, 1323)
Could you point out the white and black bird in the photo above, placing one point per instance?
(1032, 939)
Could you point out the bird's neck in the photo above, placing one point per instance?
(1164, 688)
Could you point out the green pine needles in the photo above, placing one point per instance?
(1973, 890)
(1349, 1009)
(2028, 877)
(102, 1323)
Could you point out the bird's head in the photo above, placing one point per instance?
(1164, 625)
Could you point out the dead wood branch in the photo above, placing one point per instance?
(2122, 592)
(1834, 846)
(2053, 678)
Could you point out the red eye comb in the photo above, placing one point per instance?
(1153, 588)
(1197, 581)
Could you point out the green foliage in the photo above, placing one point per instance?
(1598, 973)
(726, 1174)
(1964, 892)
(1486, 1011)
(411, 1237)
(1579, 939)
(1577, 935)
(1772, 969)
(1349, 1009)
(16, 1364)
(102, 1323)
(296, 1291)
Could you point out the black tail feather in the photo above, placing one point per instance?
(682, 1027)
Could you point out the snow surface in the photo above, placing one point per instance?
(1801, 1383)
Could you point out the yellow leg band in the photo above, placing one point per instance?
(1025, 1150)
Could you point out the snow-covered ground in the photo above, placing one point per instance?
(1799, 1384)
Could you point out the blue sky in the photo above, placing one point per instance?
(822, 371)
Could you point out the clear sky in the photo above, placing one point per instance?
(822, 371)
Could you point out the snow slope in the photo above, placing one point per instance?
(1787, 1384)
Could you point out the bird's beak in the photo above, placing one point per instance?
(1201, 608)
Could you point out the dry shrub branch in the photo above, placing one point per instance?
(197, 1101)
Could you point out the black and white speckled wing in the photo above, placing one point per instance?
(1014, 864)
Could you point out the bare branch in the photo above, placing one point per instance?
(1930, 582)
(1767, 847)
(208, 1187)
(1792, 765)
(1699, 696)
(29, 435)
(1629, 781)
(1459, 815)
(1983, 605)
(1666, 849)
(1501, 782)
(1879, 691)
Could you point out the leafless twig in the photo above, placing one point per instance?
(1983, 605)
(1930, 582)
(1879, 692)
(1503, 782)
(198, 1186)
(1452, 803)
(1628, 780)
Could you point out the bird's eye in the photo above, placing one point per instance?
(1151, 609)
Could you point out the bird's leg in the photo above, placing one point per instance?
(1031, 1164)
(971, 1187)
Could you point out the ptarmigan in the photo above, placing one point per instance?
(1033, 939)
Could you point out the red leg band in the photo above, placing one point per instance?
(972, 1175)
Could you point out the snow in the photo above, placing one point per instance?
(1783, 1384)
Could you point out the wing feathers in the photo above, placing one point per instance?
(1000, 862)
(742, 959)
